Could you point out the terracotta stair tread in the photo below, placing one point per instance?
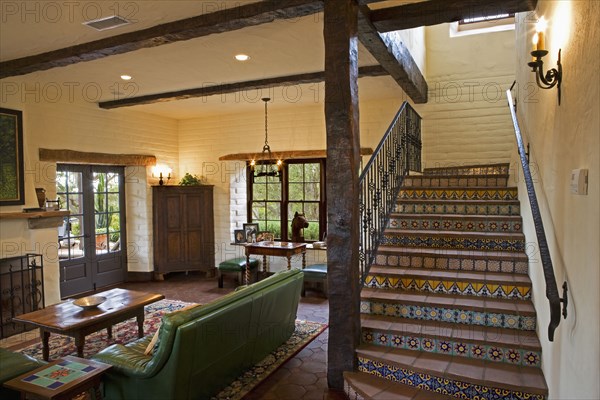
(451, 201)
(375, 388)
(479, 304)
(488, 254)
(455, 188)
(461, 176)
(483, 217)
(458, 275)
(473, 371)
(447, 330)
(427, 171)
(482, 235)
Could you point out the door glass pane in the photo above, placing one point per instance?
(112, 182)
(113, 202)
(74, 182)
(70, 234)
(100, 202)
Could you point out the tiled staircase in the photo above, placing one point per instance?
(446, 308)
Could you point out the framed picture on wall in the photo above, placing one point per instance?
(12, 190)
(239, 235)
(251, 232)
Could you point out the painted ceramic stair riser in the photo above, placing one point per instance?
(446, 307)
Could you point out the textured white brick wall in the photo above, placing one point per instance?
(84, 127)
(466, 120)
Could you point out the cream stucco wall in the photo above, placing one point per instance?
(464, 121)
(415, 40)
(203, 140)
(564, 138)
(70, 122)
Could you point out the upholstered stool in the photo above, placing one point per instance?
(315, 273)
(237, 266)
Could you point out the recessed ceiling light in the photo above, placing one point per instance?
(126, 77)
(242, 57)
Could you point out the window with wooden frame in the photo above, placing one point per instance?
(273, 201)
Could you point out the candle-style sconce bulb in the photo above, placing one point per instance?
(552, 77)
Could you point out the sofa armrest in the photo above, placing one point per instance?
(128, 360)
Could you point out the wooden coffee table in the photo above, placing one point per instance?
(61, 379)
(65, 318)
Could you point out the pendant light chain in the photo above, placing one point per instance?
(266, 100)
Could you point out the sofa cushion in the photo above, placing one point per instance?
(14, 364)
(237, 264)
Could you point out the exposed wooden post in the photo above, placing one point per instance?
(343, 145)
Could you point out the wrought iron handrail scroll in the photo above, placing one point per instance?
(398, 152)
(551, 286)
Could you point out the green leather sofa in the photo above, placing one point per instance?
(203, 349)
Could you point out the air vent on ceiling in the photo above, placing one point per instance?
(105, 23)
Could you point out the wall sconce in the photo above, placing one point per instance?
(160, 171)
(552, 77)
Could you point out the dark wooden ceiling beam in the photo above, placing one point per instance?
(394, 56)
(202, 25)
(84, 157)
(312, 77)
(440, 11)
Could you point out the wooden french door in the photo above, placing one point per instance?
(92, 239)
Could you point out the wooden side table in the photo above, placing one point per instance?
(278, 249)
(61, 379)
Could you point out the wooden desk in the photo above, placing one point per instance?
(61, 379)
(277, 249)
(67, 319)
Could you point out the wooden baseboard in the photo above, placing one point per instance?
(134, 276)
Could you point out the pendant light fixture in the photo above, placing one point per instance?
(265, 164)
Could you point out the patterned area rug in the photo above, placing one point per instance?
(126, 332)
(123, 332)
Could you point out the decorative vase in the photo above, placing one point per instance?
(41, 196)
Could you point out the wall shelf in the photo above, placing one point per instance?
(38, 219)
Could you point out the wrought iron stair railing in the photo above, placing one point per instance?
(551, 287)
(398, 153)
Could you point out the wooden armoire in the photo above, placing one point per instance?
(183, 229)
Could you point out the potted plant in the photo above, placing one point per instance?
(191, 180)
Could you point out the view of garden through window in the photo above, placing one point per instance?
(274, 200)
(107, 224)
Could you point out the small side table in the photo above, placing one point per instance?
(277, 249)
(62, 379)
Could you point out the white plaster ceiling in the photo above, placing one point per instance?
(284, 47)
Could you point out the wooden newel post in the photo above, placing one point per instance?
(343, 160)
